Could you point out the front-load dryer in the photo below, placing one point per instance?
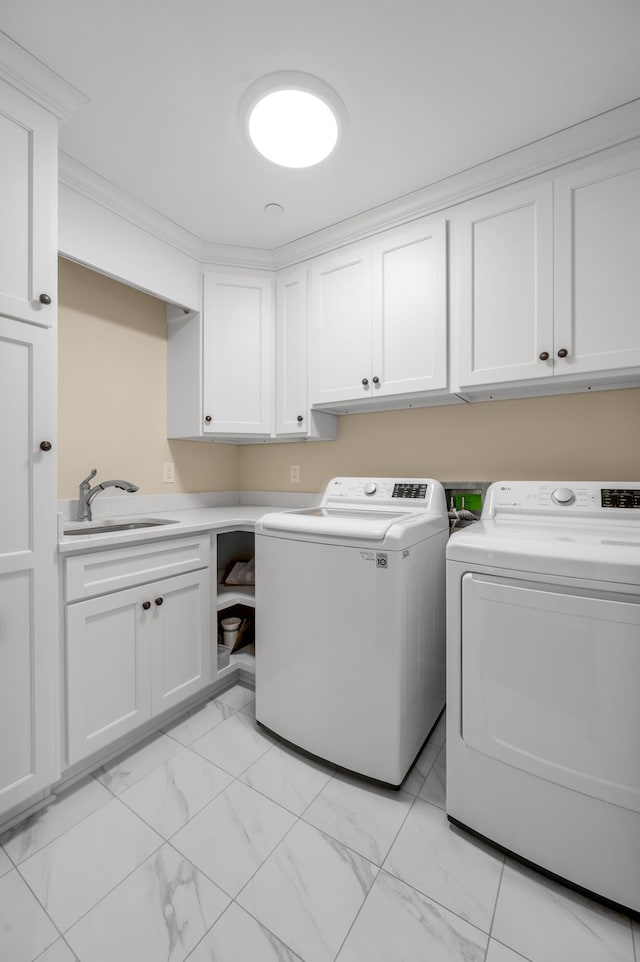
(350, 623)
(543, 662)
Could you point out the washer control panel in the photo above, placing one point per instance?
(418, 491)
(408, 489)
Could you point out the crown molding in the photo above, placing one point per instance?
(228, 255)
(83, 180)
(31, 77)
(609, 129)
(94, 187)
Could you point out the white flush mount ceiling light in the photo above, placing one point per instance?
(293, 119)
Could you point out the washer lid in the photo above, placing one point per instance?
(322, 522)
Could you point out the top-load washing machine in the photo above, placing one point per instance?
(543, 662)
(350, 623)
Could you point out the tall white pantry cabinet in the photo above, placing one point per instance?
(28, 538)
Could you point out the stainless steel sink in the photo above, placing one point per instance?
(106, 527)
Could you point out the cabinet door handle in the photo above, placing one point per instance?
(208, 418)
(299, 419)
(45, 445)
(159, 601)
(376, 379)
(44, 299)
(146, 605)
(365, 381)
(544, 356)
(562, 352)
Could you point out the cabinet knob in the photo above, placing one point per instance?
(299, 419)
(44, 299)
(562, 352)
(208, 418)
(365, 381)
(159, 601)
(45, 445)
(376, 379)
(146, 605)
(544, 356)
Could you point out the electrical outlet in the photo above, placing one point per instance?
(168, 472)
(294, 473)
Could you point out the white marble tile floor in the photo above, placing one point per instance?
(212, 843)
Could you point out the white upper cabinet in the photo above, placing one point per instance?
(238, 373)
(28, 201)
(238, 341)
(597, 261)
(293, 415)
(340, 361)
(379, 318)
(409, 309)
(502, 286)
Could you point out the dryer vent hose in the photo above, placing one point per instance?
(458, 515)
(461, 514)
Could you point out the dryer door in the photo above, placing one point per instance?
(550, 682)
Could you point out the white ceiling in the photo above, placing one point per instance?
(431, 87)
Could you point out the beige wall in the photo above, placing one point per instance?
(589, 436)
(112, 415)
(112, 362)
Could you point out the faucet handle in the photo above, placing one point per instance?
(94, 471)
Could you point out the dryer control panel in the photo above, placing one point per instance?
(620, 497)
(568, 497)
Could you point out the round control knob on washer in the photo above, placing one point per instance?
(563, 496)
(370, 488)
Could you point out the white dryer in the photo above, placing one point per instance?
(350, 623)
(543, 662)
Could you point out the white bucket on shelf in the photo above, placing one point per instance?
(230, 629)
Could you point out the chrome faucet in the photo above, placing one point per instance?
(86, 493)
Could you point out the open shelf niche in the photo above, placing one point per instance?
(236, 546)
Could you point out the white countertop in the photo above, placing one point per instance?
(226, 518)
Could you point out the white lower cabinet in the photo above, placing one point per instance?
(133, 654)
(28, 633)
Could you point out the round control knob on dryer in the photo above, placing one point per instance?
(370, 488)
(563, 496)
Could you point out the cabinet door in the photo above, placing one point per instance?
(409, 333)
(292, 404)
(502, 288)
(28, 540)
(238, 354)
(341, 327)
(597, 280)
(181, 645)
(108, 675)
(28, 201)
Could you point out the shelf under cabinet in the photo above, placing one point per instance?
(244, 659)
(236, 595)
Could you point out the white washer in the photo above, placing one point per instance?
(350, 623)
(543, 663)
